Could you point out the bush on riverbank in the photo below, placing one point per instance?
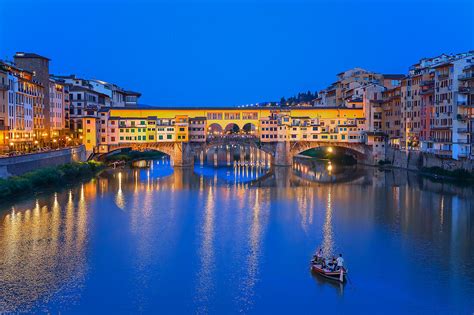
(48, 176)
(134, 155)
(458, 174)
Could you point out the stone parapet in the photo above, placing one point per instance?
(18, 165)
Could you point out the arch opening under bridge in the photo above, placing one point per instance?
(232, 129)
(358, 151)
(250, 129)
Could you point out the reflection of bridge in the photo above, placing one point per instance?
(282, 152)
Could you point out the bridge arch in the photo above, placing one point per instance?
(358, 150)
(180, 153)
(232, 128)
(249, 129)
(215, 129)
(165, 149)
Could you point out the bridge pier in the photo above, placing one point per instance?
(182, 155)
(283, 155)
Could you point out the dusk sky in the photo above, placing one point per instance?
(231, 52)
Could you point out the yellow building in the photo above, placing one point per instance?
(121, 126)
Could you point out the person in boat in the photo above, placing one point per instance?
(340, 262)
(333, 263)
(319, 255)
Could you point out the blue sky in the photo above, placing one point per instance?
(231, 52)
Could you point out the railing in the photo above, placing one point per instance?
(426, 91)
(466, 76)
(427, 83)
(464, 89)
(442, 152)
(462, 117)
(462, 130)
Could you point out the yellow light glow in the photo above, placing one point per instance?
(329, 150)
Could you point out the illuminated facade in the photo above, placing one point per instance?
(57, 101)
(86, 97)
(436, 108)
(21, 118)
(111, 129)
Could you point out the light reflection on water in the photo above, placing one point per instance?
(238, 238)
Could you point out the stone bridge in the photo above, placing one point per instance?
(282, 152)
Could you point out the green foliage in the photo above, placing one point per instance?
(301, 98)
(48, 176)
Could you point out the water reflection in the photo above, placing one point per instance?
(43, 250)
(320, 171)
(234, 238)
(233, 155)
(259, 221)
(328, 241)
(205, 288)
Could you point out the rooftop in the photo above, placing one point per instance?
(29, 55)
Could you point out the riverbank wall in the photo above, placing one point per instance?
(18, 165)
(416, 160)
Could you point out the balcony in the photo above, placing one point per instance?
(427, 83)
(442, 152)
(440, 140)
(443, 76)
(465, 90)
(466, 76)
(462, 117)
(427, 91)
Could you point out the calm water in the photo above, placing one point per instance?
(238, 239)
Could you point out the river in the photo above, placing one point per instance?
(237, 237)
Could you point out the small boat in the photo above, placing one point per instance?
(338, 275)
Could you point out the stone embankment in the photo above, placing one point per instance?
(18, 165)
(416, 161)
